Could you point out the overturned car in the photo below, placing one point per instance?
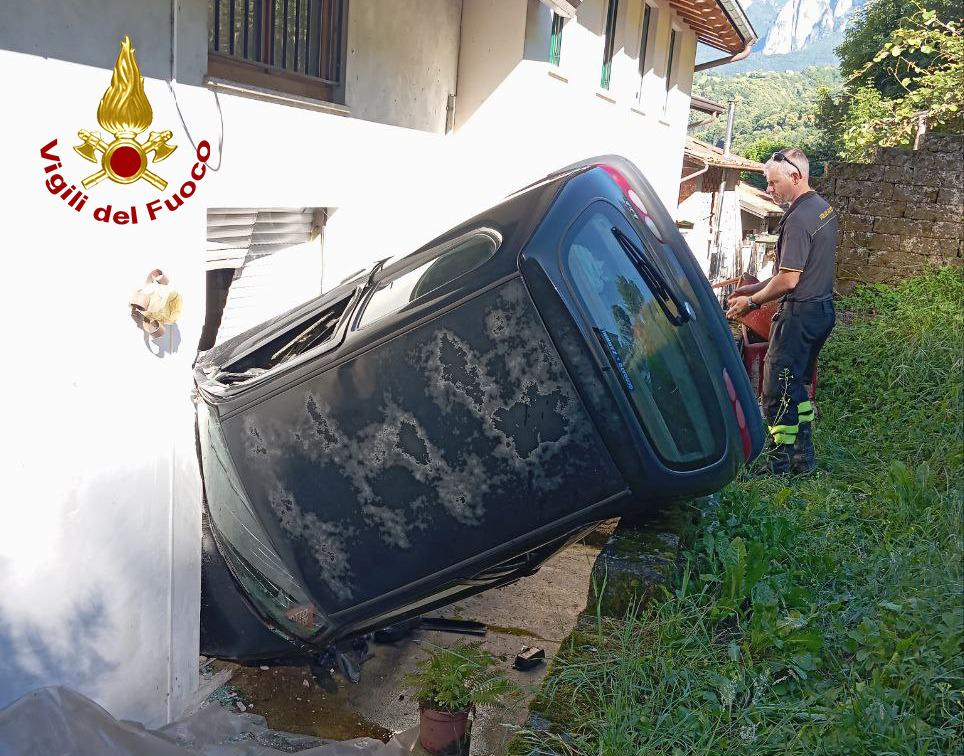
(443, 424)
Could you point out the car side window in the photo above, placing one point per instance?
(393, 293)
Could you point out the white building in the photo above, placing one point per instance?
(383, 122)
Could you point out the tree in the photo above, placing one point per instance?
(868, 31)
(899, 59)
(774, 110)
(923, 63)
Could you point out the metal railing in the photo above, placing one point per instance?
(298, 36)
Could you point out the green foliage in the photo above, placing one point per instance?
(823, 617)
(900, 59)
(925, 56)
(773, 111)
(460, 678)
(869, 30)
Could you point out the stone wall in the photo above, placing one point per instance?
(900, 213)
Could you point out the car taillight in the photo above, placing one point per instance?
(740, 415)
(627, 190)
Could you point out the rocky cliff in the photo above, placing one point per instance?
(800, 23)
(794, 34)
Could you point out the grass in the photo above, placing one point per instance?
(819, 616)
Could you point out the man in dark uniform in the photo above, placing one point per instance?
(803, 283)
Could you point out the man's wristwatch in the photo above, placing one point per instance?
(751, 304)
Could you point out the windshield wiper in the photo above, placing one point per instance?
(662, 291)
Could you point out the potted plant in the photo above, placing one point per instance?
(451, 684)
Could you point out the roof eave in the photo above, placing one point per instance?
(740, 21)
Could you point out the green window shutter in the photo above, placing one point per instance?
(555, 39)
(643, 47)
(644, 39)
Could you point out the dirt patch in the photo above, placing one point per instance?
(292, 699)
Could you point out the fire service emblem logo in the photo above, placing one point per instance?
(125, 112)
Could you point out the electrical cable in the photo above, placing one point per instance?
(180, 115)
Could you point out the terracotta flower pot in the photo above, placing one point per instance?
(444, 732)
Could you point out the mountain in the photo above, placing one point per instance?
(803, 22)
(794, 34)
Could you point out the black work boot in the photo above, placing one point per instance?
(804, 460)
(779, 459)
(776, 459)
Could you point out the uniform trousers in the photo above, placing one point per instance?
(798, 333)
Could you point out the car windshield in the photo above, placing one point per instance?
(659, 362)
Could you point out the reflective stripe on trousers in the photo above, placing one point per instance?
(798, 333)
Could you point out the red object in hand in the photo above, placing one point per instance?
(759, 320)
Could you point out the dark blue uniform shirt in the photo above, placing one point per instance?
(808, 244)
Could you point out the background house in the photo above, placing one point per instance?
(340, 133)
(720, 212)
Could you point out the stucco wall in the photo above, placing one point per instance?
(696, 206)
(493, 39)
(99, 537)
(401, 61)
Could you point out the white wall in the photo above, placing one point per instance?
(523, 118)
(698, 209)
(99, 552)
(99, 532)
(493, 40)
(731, 230)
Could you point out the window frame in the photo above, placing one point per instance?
(236, 68)
(412, 262)
(672, 55)
(609, 44)
(648, 25)
(713, 407)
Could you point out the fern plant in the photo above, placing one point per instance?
(461, 678)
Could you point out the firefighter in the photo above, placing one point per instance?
(803, 282)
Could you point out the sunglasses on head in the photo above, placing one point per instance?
(779, 157)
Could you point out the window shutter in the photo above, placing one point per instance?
(276, 255)
(239, 235)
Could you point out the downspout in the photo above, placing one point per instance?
(704, 169)
(714, 250)
(727, 59)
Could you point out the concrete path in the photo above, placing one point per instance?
(540, 610)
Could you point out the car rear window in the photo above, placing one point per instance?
(661, 365)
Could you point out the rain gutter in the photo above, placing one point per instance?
(728, 59)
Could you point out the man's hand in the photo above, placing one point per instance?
(739, 307)
(747, 290)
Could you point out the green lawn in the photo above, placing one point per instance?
(822, 615)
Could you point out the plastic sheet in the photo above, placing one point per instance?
(58, 721)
